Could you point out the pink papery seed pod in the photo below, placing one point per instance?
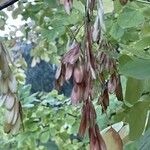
(93, 140)
(83, 122)
(78, 73)
(69, 71)
(72, 55)
(76, 94)
(68, 6)
(88, 87)
(112, 83)
(118, 90)
(92, 114)
(104, 99)
(58, 71)
(101, 142)
(96, 31)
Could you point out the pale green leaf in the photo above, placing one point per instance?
(130, 18)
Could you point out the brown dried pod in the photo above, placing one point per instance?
(72, 55)
(96, 140)
(93, 140)
(118, 91)
(112, 83)
(58, 71)
(101, 142)
(59, 82)
(69, 71)
(88, 86)
(76, 94)
(92, 115)
(83, 123)
(104, 99)
(78, 73)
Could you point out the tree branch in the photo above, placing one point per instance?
(7, 3)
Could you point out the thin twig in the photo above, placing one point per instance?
(74, 35)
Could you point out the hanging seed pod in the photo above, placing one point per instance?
(9, 115)
(101, 142)
(76, 94)
(96, 30)
(7, 127)
(83, 123)
(68, 6)
(2, 99)
(9, 102)
(78, 73)
(69, 71)
(93, 140)
(118, 90)
(104, 99)
(4, 86)
(12, 83)
(58, 71)
(112, 83)
(15, 128)
(8, 88)
(92, 116)
(72, 55)
(123, 2)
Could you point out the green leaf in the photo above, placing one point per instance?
(137, 68)
(146, 12)
(145, 30)
(79, 6)
(136, 118)
(51, 3)
(144, 143)
(116, 31)
(130, 35)
(134, 89)
(123, 59)
(45, 137)
(70, 120)
(131, 146)
(142, 44)
(130, 18)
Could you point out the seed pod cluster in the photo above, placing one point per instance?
(8, 98)
(112, 83)
(85, 68)
(71, 67)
